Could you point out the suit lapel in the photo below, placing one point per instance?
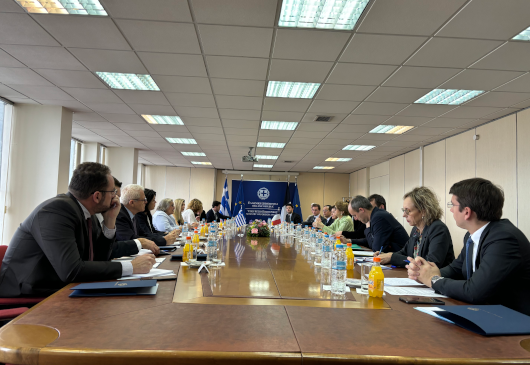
(81, 217)
(482, 238)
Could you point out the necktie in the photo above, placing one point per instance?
(469, 257)
(288, 218)
(134, 226)
(91, 248)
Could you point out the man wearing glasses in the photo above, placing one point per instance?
(62, 241)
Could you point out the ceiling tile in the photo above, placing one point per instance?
(316, 127)
(9, 93)
(345, 136)
(153, 109)
(162, 10)
(183, 84)
(499, 113)
(379, 108)
(344, 92)
(354, 128)
(329, 106)
(397, 94)
(447, 123)
(189, 111)
(93, 95)
(452, 52)
(98, 125)
(411, 138)
(173, 64)
(426, 110)
(239, 102)
(520, 84)
(402, 120)
(79, 79)
(238, 87)
(286, 104)
(237, 67)
(499, 99)
(303, 71)
(21, 76)
(142, 97)
(109, 61)
(135, 127)
(480, 79)
(22, 29)
(366, 119)
(427, 77)
(282, 116)
(169, 128)
(336, 117)
(511, 56)
(7, 61)
(235, 41)
(384, 49)
(260, 13)
(116, 108)
(88, 117)
(83, 32)
(152, 36)
(44, 57)
(230, 124)
(470, 112)
(425, 131)
(183, 99)
(72, 105)
(239, 114)
(205, 122)
(11, 6)
(107, 133)
(475, 20)
(311, 44)
(360, 74)
(120, 118)
(240, 132)
(413, 17)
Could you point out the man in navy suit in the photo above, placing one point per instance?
(213, 214)
(494, 264)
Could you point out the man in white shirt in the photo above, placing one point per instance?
(315, 209)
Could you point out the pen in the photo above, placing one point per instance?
(407, 261)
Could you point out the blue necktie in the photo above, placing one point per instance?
(469, 257)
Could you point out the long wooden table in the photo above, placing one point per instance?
(266, 305)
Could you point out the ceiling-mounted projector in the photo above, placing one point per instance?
(249, 157)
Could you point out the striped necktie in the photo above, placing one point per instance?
(469, 257)
(91, 247)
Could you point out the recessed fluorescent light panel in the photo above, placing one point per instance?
(78, 7)
(448, 96)
(392, 129)
(287, 89)
(337, 159)
(323, 167)
(201, 154)
(181, 140)
(271, 145)
(264, 166)
(524, 35)
(128, 81)
(266, 157)
(329, 14)
(162, 119)
(357, 147)
(281, 126)
(201, 163)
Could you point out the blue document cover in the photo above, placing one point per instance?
(487, 320)
(115, 288)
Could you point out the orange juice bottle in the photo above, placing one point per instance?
(195, 239)
(376, 279)
(206, 229)
(350, 258)
(188, 250)
(202, 230)
(337, 242)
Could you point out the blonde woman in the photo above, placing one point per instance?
(180, 206)
(343, 222)
(192, 215)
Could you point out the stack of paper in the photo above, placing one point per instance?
(401, 282)
(418, 292)
(152, 273)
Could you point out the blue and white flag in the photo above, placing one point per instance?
(239, 207)
(296, 201)
(240, 219)
(225, 201)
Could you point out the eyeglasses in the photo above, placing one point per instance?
(450, 205)
(112, 192)
(141, 200)
(406, 211)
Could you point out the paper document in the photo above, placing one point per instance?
(432, 311)
(153, 272)
(401, 282)
(363, 253)
(418, 292)
(142, 251)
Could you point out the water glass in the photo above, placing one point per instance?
(365, 272)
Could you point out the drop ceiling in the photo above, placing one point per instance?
(212, 60)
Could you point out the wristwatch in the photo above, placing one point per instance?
(435, 278)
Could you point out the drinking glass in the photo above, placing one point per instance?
(365, 272)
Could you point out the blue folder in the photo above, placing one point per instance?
(115, 288)
(487, 320)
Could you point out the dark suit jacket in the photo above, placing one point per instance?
(310, 220)
(436, 246)
(210, 216)
(384, 231)
(51, 249)
(295, 218)
(328, 223)
(502, 270)
(124, 248)
(125, 228)
(359, 229)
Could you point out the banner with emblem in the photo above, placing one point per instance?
(264, 199)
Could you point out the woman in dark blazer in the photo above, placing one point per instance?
(144, 223)
(430, 237)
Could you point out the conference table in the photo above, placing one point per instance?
(266, 305)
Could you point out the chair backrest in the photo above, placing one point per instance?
(3, 250)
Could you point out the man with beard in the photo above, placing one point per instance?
(62, 241)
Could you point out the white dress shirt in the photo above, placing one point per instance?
(476, 240)
(189, 216)
(164, 222)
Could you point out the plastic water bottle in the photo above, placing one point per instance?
(185, 229)
(318, 250)
(338, 271)
(313, 240)
(325, 271)
(299, 231)
(211, 251)
(212, 233)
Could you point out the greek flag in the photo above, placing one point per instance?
(225, 201)
(240, 219)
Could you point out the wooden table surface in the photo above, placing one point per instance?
(266, 305)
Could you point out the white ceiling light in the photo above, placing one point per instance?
(323, 167)
(287, 89)
(78, 7)
(524, 35)
(128, 81)
(201, 163)
(162, 119)
(266, 157)
(391, 129)
(271, 145)
(329, 14)
(448, 96)
(337, 159)
(201, 154)
(181, 140)
(281, 126)
(358, 147)
(264, 166)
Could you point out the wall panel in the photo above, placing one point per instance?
(353, 183)
(523, 171)
(363, 185)
(434, 171)
(155, 179)
(375, 186)
(336, 186)
(412, 170)
(310, 190)
(396, 187)
(379, 170)
(202, 186)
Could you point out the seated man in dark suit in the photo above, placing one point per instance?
(315, 209)
(377, 201)
(494, 264)
(327, 219)
(384, 234)
(291, 216)
(213, 214)
(62, 240)
(127, 228)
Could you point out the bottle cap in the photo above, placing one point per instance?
(377, 259)
(349, 244)
(188, 237)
